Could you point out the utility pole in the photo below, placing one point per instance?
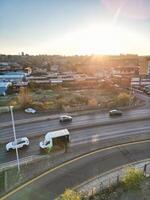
(15, 139)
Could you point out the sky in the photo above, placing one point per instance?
(75, 27)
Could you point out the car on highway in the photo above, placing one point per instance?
(19, 143)
(30, 110)
(65, 118)
(115, 112)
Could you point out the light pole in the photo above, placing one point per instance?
(15, 139)
(130, 94)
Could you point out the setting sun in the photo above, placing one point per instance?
(99, 39)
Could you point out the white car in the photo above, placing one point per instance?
(19, 143)
(65, 118)
(30, 110)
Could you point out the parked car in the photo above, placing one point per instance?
(30, 110)
(115, 112)
(19, 143)
(65, 118)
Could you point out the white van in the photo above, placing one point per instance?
(52, 138)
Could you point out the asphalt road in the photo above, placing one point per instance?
(72, 174)
(36, 128)
(86, 135)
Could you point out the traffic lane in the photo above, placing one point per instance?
(75, 173)
(110, 130)
(49, 125)
(32, 149)
(102, 114)
(83, 136)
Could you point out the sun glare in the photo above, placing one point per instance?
(99, 39)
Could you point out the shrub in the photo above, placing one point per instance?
(81, 99)
(48, 105)
(60, 103)
(37, 105)
(132, 178)
(23, 98)
(92, 102)
(123, 99)
(70, 195)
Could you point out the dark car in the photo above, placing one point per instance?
(65, 118)
(115, 112)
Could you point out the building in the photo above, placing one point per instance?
(3, 87)
(127, 71)
(144, 63)
(12, 76)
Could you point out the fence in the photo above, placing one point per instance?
(110, 178)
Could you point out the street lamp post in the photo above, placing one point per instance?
(130, 95)
(15, 139)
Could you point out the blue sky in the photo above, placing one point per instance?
(74, 26)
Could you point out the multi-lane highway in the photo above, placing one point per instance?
(52, 183)
(40, 128)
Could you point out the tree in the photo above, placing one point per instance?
(123, 99)
(10, 89)
(23, 97)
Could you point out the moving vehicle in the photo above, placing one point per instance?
(19, 143)
(30, 110)
(115, 112)
(55, 138)
(65, 118)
